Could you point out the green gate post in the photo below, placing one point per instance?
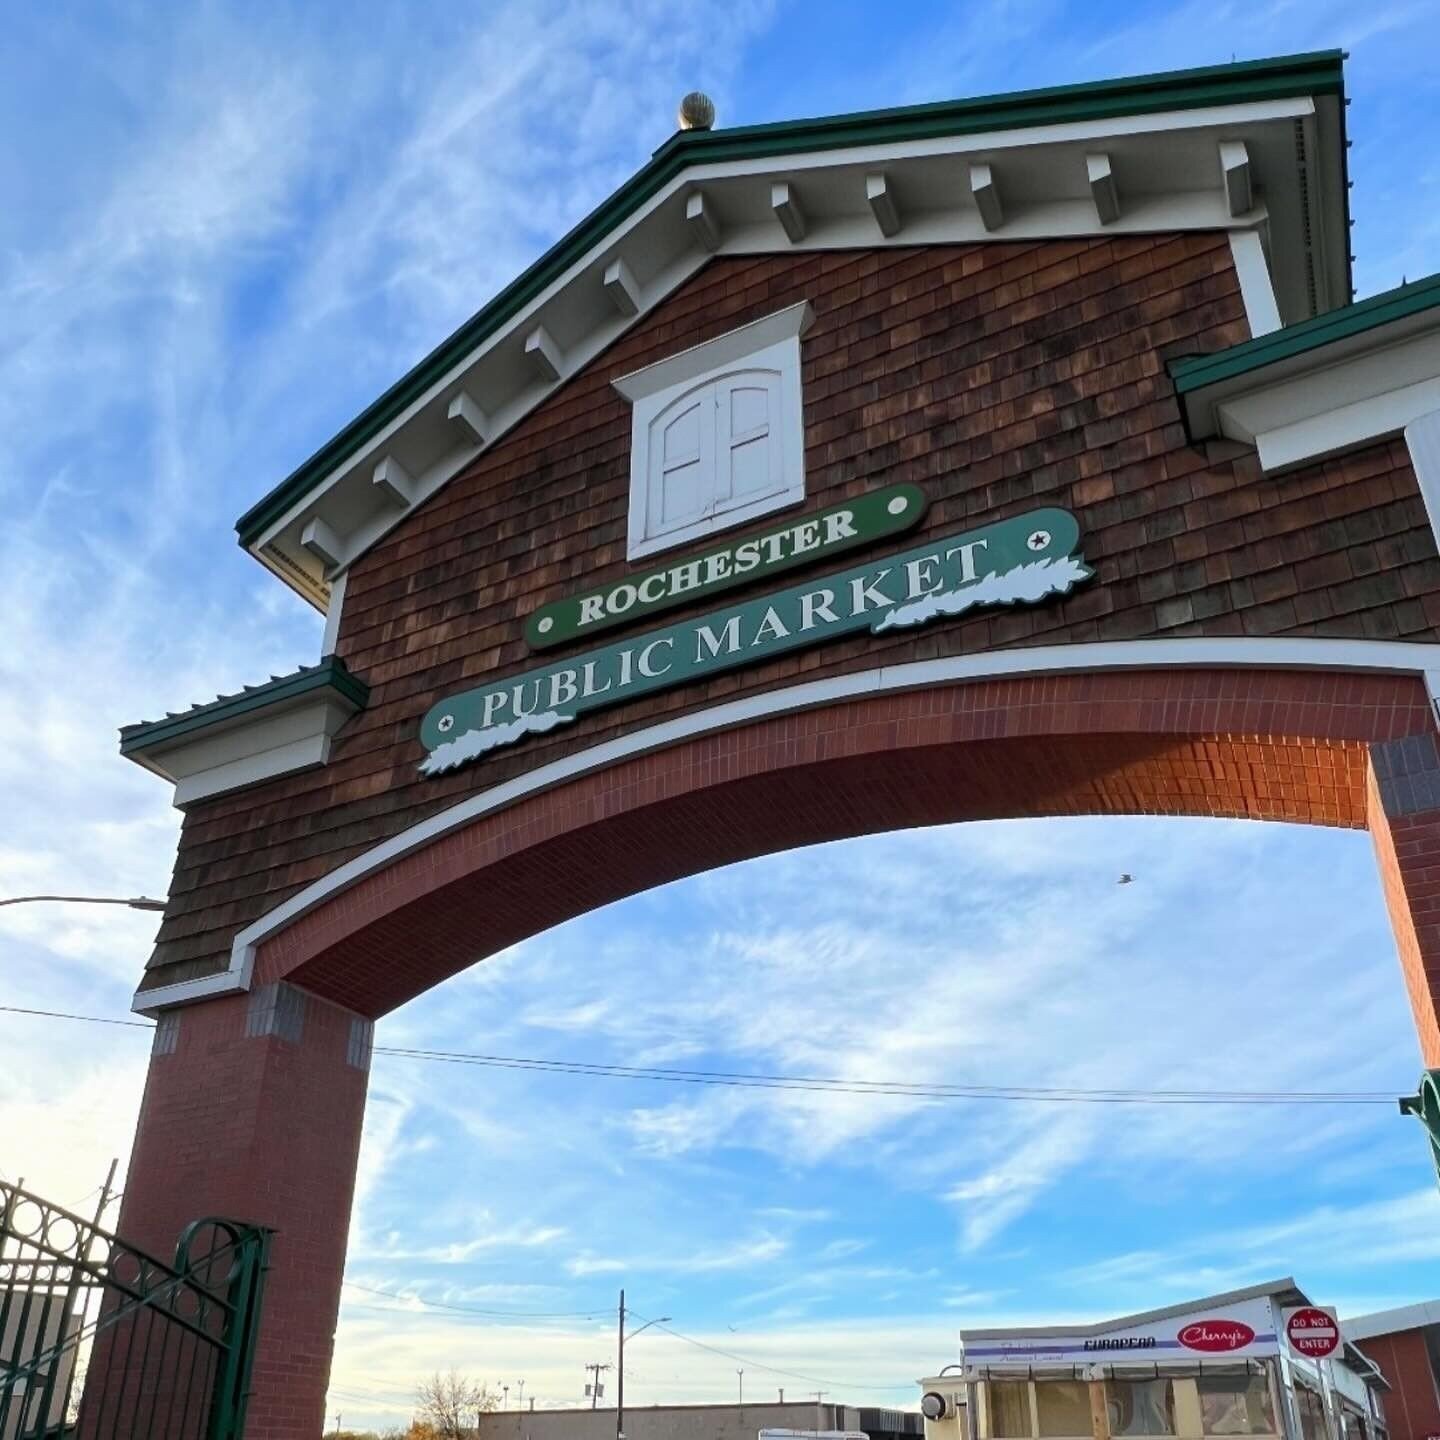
(1424, 1105)
(244, 1290)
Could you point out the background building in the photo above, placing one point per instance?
(700, 1422)
(1217, 1366)
(1405, 1344)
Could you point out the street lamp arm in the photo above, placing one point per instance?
(659, 1320)
(135, 902)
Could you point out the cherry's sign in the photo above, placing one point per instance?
(1216, 1337)
(1244, 1329)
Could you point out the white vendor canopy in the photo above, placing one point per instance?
(1234, 1327)
(1263, 1363)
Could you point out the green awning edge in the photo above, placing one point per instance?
(1283, 77)
(330, 674)
(1196, 372)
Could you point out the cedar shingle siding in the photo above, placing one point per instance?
(1000, 377)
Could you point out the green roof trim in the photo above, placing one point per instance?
(1317, 73)
(330, 674)
(1195, 372)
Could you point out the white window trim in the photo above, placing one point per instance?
(771, 343)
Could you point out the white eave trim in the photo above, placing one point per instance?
(633, 294)
(1333, 403)
(1357, 656)
(262, 745)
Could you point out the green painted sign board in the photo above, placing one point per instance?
(752, 557)
(1014, 562)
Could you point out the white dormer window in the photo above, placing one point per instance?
(717, 436)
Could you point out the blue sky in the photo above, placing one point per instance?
(229, 228)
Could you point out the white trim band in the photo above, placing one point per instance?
(1361, 656)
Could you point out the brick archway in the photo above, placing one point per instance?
(276, 1075)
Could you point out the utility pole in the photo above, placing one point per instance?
(819, 1396)
(595, 1388)
(620, 1359)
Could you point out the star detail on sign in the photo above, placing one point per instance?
(1039, 540)
(444, 723)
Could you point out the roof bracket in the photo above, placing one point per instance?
(701, 218)
(987, 196)
(393, 482)
(786, 205)
(467, 418)
(620, 286)
(1235, 167)
(545, 356)
(323, 543)
(882, 202)
(1103, 189)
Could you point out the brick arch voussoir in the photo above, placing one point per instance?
(1276, 745)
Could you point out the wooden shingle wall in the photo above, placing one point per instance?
(999, 377)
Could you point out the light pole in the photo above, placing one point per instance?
(620, 1390)
(741, 1374)
(136, 902)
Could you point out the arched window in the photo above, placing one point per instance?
(714, 449)
(717, 436)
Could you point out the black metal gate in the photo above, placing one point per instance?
(101, 1341)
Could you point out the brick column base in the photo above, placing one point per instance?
(1404, 818)
(252, 1111)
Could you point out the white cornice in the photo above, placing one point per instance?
(278, 740)
(1167, 173)
(1331, 399)
(715, 354)
(1353, 656)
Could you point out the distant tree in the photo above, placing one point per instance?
(449, 1404)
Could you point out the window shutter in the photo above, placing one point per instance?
(748, 435)
(682, 461)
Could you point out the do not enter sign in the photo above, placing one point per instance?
(1312, 1332)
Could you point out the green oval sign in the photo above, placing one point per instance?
(751, 557)
(1020, 561)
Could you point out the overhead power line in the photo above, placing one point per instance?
(896, 1088)
(842, 1085)
(65, 1015)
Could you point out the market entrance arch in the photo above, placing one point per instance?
(805, 492)
(255, 1099)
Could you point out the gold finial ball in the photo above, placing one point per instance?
(697, 111)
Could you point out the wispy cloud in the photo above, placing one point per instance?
(461, 1252)
(1401, 1230)
(742, 1255)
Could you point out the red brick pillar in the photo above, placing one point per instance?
(1404, 816)
(252, 1111)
